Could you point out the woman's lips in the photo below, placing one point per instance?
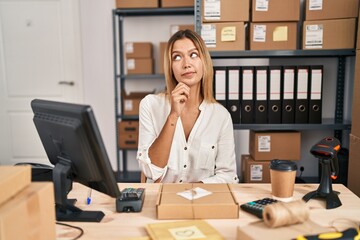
(188, 74)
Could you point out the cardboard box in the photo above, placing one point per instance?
(273, 36)
(131, 102)
(30, 214)
(220, 204)
(254, 171)
(358, 34)
(331, 9)
(355, 118)
(354, 165)
(13, 179)
(176, 27)
(225, 11)
(128, 134)
(329, 34)
(227, 36)
(140, 66)
(128, 140)
(275, 10)
(137, 4)
(176, 3)
(161, 57)
(138, 50)
(269, 145)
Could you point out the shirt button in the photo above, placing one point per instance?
(180, 181)
(185, 166)
(185, 148)
(213, 147)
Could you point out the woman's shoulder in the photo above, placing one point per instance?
(154, 99)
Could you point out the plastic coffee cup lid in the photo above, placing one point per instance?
(283, 165)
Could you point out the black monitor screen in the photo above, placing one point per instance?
(73, 144)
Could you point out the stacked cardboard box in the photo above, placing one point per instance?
(137, 3)
(330, 24)
(139, 57)
(128, 134)
(354, 150)
(265, 146)
(223, 24)
(27, 210)
(271, 27)
(131, 102)
(176, 3)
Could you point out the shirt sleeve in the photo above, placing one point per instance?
(147, 136)
(225, 168)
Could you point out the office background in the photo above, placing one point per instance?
(85, 28)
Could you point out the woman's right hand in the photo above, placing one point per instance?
(179, 96)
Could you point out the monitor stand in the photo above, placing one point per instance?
(65, 208)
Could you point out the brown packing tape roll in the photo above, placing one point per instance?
(283, 214)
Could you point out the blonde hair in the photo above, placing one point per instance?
(206, 89)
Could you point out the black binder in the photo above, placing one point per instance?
(274, 94)
(247, 95)
(233, 93)
(302, 95)
(315, 98)
(220, 76)
(288, 88)
(260, 94)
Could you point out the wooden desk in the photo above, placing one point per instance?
(123, 225)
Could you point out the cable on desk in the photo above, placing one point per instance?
(71, 226)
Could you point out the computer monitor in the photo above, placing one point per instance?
(73, 144)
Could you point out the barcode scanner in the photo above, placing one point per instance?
(326, 151)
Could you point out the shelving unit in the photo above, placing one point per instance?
(123, 175)
(337, 123)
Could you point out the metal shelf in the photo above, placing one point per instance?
(143, 76)
(327, 124)
(154, 12)
(282, 53)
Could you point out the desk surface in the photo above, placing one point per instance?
(122, 225)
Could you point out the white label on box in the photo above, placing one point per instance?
(315, 5)
(129, 47)
(212, 10)
(184, 233)
(128, 105)
(256, 172)
(314, 36)
(264, 143)
(194, 193)
(262, 5)
(130, 64)
(259, 33)
(208, 34)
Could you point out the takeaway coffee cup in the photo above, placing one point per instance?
(282, 177)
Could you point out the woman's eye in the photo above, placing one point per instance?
(193, 55)
(176, 57)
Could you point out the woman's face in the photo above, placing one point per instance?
(186, 63)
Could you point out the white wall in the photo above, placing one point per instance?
(98, 73)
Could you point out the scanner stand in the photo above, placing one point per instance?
(325, 188)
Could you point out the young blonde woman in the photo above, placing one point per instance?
(184, 134)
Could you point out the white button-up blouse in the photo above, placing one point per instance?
(208, 155)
